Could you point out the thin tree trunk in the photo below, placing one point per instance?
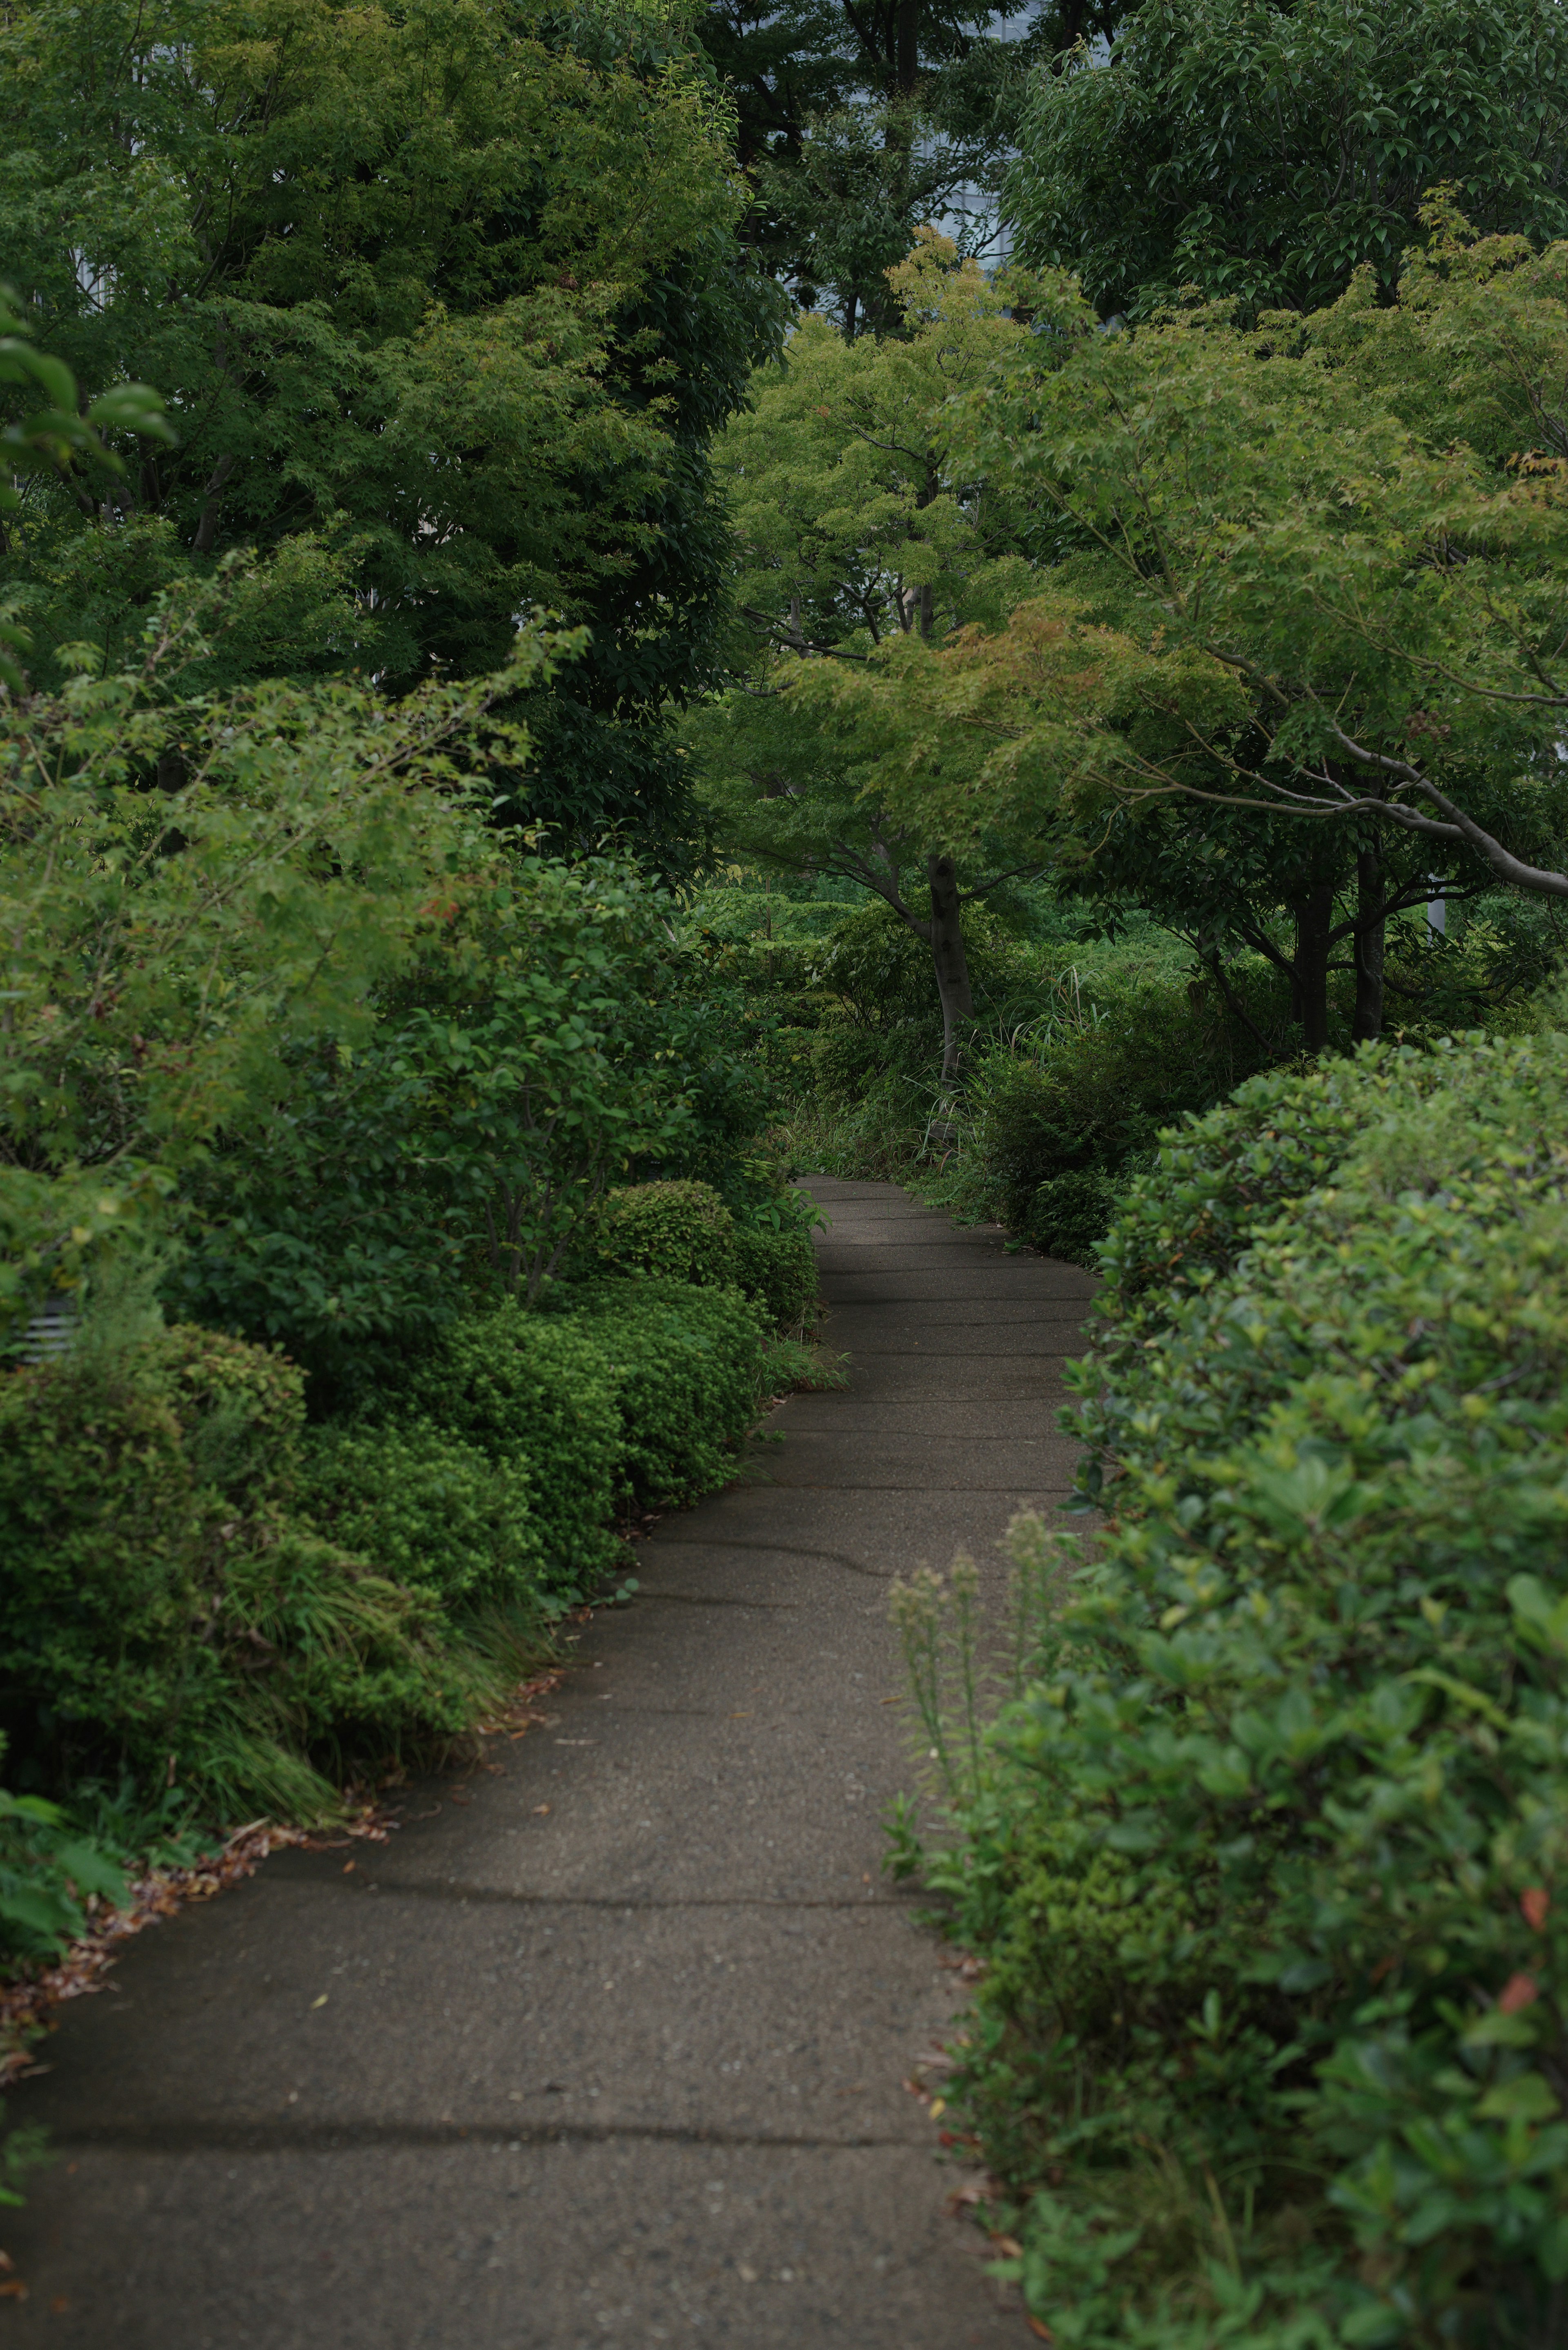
(950, 964)
(207, 526)
(1315, 917)
(1369, 936)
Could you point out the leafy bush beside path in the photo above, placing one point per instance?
(1270, 1858)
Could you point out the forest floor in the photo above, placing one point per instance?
(610, 2041)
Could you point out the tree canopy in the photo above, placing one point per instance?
(450, 293)
(1263, 151)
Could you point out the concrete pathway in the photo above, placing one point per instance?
(628, 2069)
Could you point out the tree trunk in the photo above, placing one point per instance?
(949, 960)
(1371, 925)
(1315, 917)
(906, 46)
(207, 523)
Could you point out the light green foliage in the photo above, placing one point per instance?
(303, 1004)
(172, 954)
(687, 1365)
(1268, 1856)
(434, 1513)
(856, 528)
(1245, 608)
(681, 1231)
(1262, 153)
(536, 1391)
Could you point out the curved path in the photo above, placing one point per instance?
(628, 2069)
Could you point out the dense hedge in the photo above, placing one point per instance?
(685, 1363)
(431, 1510)
(1271, 1861)
(682, 1231)
(160, 1607)
(537, 1391)
(197, 1587)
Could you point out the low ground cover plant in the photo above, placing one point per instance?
(1267, 1854)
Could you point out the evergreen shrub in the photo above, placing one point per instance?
(778, 1270)
(1096, 1092)
(1270, 1858)
(686, 1364)
(1069, 1215)
(679, 1231)
(162, 1611)
(435, 1512)
(538, 1392)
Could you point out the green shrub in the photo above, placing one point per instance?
(163, 1614)
(434, 1513)
(684, 1231)
(47, 1868)
(679, 1231)
(1069, 1216)
(686, 1364)
(103, 1532)
(1271, 1857)
(537, 1392)
(778, 1270)
(1093, 1091)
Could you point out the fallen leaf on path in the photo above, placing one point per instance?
(1038, 2325)
(26, 2004)
(14, 2290)
(1009, 2247)
(321, 2001)
(540, 1810)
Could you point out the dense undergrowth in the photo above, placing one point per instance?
(1266, 1851)
(1085, 1047)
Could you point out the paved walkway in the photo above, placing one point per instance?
(628, 2070)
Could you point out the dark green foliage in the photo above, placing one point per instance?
(1263, 151)
(686, 1363)
(434, 1511)
(536, 1391)
(162, 1611)
(681, 1230)
(1270, 1858)
(102, 1531)
(1070, 1214)
(47, 1868)
(1089, 1092)
(489, 251)
(778, 1270)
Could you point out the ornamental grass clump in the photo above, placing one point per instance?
(1270, 1858)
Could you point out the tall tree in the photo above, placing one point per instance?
(1263, 150)
(1310, 649)
(448, 287)
(862, 120)
(856, 529)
